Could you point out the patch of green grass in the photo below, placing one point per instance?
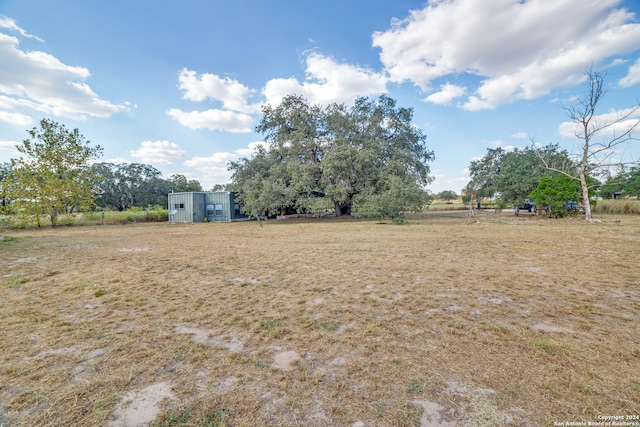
(78, 287)
(329, 326)
(547, 346)
(415, 387)
(271, 327)
(496, 327)
(16, 281)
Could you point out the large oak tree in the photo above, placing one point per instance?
(368, 157)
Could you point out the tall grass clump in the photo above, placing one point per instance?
(619, 206)
(133, 215)
(136, 214)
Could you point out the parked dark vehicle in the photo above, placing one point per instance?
(527, 206)
(574, 207)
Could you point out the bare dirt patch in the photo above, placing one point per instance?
(139, 408)
(506, 321)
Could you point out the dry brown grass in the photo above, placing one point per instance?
(508, 321)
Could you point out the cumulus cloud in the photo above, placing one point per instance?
(611, 124)
(233, 94)
(520, 49)
(448, 92)
(39, 81)
(213, 119)
(158, 152)
(216, 165)
(633, 76)
(327, 81)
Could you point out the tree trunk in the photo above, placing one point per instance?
(583, 170)
(585, 197)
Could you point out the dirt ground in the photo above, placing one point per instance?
(504, 321)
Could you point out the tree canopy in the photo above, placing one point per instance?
(360, 158)
(447, 195)
(53, 176)
(626, 182)
(122, 186)
(513, 175)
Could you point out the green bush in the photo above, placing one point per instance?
(553, 193)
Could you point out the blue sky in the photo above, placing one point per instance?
(179, 84)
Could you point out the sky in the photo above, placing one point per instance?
(179, 84)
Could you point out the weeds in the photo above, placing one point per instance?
(415, 387)
(547, 346)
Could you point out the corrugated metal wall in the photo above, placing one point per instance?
(217, 205)
(182, 204)
(195, 207)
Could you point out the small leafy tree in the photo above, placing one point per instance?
(447, 195)
(397, 198)
(54, 176)
(553, 193)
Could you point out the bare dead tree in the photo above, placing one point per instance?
(600, 135)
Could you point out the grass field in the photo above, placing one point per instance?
(506, 321)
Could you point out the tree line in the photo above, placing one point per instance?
(367, 158)
(56, 174)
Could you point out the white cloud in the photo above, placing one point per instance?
(213, 119)
(633, 76)
(16, 118)
(500, 144)
(216, 165)
(521, 49)
(327, 81)
(10, 24)
(520, 135)
(251, 148)
(571, 129)
(8, 146)
(448, 92)
(158, 152)
(233, 94)
(117, 160)
(39, 81)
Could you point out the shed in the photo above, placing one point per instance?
(219, 206)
